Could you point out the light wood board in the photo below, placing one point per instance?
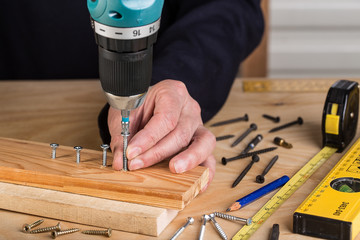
(130, 217)
(29, 163)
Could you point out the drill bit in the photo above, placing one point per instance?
(125, 133)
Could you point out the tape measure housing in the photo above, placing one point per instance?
(339, 121)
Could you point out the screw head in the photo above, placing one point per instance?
(255, 158)
(26, 228)
(78, 148)
(260, 179)
(104, 146)
(109, 231)
(224, 161)
(205, 217)
(300, 121)
(249, 221)
(246, 117)
(54, 145)
(190, 220)
(54, 234)
(212, 215)
(253, 126)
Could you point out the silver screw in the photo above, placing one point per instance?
(105, 148)
(28, 227)
(190, 221)
(233, 218)
(106, 233)
(54, 146)
(78, 149)
(218, 227)
(205, 219)
(55, 234)
(47, 229)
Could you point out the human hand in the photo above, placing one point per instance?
(167, 124)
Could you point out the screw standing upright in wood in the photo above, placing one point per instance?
(53, 152)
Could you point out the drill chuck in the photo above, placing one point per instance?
(125, 32)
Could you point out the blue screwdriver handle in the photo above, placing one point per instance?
(263, 191)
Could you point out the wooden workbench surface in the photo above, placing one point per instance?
(66, 112)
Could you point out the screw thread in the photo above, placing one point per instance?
(53, 153)
(46, 229)
(28, 227)
(219, 229)
(125, 160)
(54, 234)
(104, 157)
(232, 218)
(98, 232)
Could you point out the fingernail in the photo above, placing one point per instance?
(133, 152)
(180, 166)
(136, 164)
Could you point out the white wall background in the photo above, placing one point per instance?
(314, 38)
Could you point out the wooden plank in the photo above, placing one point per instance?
(29, 163)
(82, 209)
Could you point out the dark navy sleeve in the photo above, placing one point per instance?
(202, 43)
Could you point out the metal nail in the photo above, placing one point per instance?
(190, 221)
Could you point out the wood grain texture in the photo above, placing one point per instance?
(104, 213)
(306, 140)
(29, 163)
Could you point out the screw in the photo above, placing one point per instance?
(224, 137)
(255, 159)
(190, 221)
(105, 148)
(298, 121)
(275, 232)
(54, 146)
(47, 229)
(252, 127)
(281, 142)
(261, 178)
(233, 218)
(244, 118)
(78, 149)
(274, 119)
(218, 227)
(28, 227)
(106, 232)
(125, 133)
(252, 144)
(249, 154)
(55, 234)
(205, 219)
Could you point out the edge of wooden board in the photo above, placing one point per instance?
(87, 210)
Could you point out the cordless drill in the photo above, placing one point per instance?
(125, 31)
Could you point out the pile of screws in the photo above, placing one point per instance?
(104, 147)
(211, 217)
(56, 230)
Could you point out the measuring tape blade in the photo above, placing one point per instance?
(284, 193)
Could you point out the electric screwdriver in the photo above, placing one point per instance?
(125, 31)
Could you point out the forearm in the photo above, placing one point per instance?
(205, 45)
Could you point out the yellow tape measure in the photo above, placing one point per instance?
(332, 210)
(339, 124)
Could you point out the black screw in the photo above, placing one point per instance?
(255, 159)
(244, 118)
(261, 178)
(298, 121)
(224, 137)
(274, 119)
(275, 232)
(252, 144)
(224, 160)
(252, 127)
